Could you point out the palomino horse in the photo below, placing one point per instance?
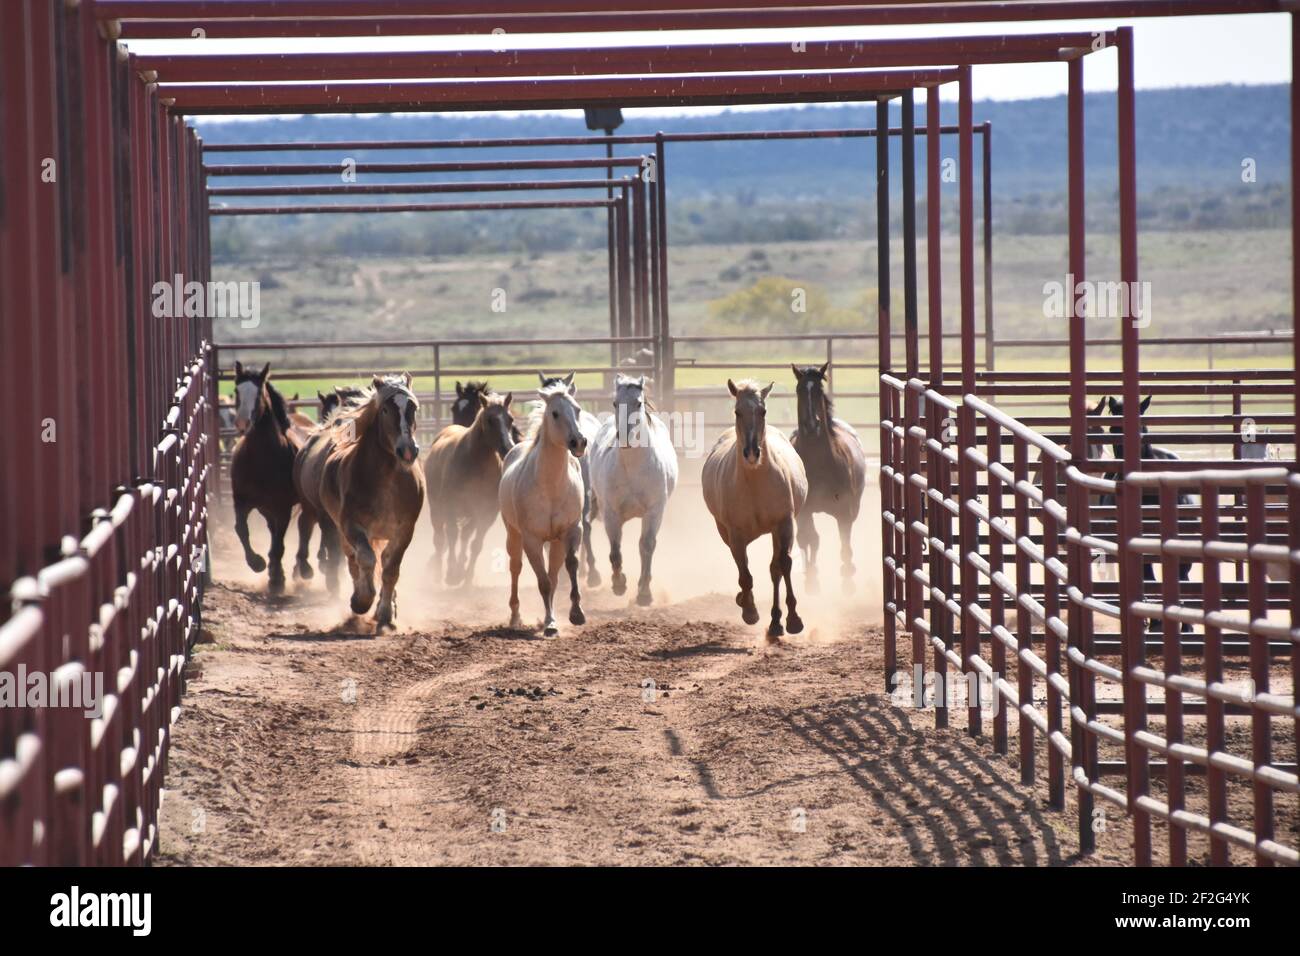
(836, 467)
(465, 408)
(372, 488)
(462, 476)
(754, 484)
(590, 425)
(541, 502)
(307, 466)
(633, 471)
(261, 467)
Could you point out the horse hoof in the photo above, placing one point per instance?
(576, 616)
(551, 631)
(275, 585)
(749, 615)
(593, 579)
(303, 570)
(256, 562)
(774, 631)
(793, 623)
(644, 598)
(618, 584)
(360, 605)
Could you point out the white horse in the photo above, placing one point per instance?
(590, 425)
(633, 472)
(541, 502)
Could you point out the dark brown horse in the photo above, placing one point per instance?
(836, 466)
(261, 467)
(461, 478)
(372, 488)
(465, 408)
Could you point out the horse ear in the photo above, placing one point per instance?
(319, 396)
(482, 400)
(239, 368)
(795, 368)
(1112, 404)
(508, 399)
(641, 383)
(266, 372)
(1146, 403)
(406, 378)
(732, 386)
(822, 370)
(377, 382)
(764, 392)
(460, 390)
(541, 378)
(568, 380)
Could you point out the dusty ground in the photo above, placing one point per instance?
(306, 739)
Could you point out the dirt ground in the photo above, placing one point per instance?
(307, 739)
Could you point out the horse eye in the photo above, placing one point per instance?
(555, 414)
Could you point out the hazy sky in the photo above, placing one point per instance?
(1172, 51)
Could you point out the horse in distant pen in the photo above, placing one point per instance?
(462, 475)
(261, 468)
(836, 466)
(372, 488)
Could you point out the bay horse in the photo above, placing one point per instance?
(541, 502)
(755, 484)
(836, 466)
(462, 476)
(590, 425)
(633, 473)
(307, 466)
(261, 468)
(465, 408)
(372, 488)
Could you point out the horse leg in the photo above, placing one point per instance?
(554, 559)
(254, 560)
(588, 513)
(576, 616)
(479, 532)
(535, 550)
(515, 549)
(649, 538)
(386, 612)
(793, 623)
(435, 559)
(361, 561)
(279, 527)
(809, 542)
(745, 599)
(614, 528)
(306, 521)
(330, 553)
(451, 529)
(776, 569)
(847, 569)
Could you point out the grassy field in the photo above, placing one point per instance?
(1202, 283)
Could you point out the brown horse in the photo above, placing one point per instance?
(261, 467)
(836, 467)
(307, 467)
(461, 478)
(372, 489)
(465, 408)
(754, 484)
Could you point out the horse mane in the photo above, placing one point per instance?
(365, 410)
(278, 408)
(750, 385)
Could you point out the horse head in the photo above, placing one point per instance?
(496, 421)
(1094, 446)
(813, 403)
(397, 408)
(343, 396)
(629, 405)
(559, 415)
(255, 397)
(1117, 411)
(465, 408)
(751, 419)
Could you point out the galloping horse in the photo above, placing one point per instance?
(261, 467)
(307, 466)
(633, 472)
(590, 425)
(462, 476)
(836, 466)
(754, 484)
(372, 488)
(541, 502)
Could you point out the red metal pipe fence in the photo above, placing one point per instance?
(107, 451)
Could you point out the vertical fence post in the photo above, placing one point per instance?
(889, 583)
